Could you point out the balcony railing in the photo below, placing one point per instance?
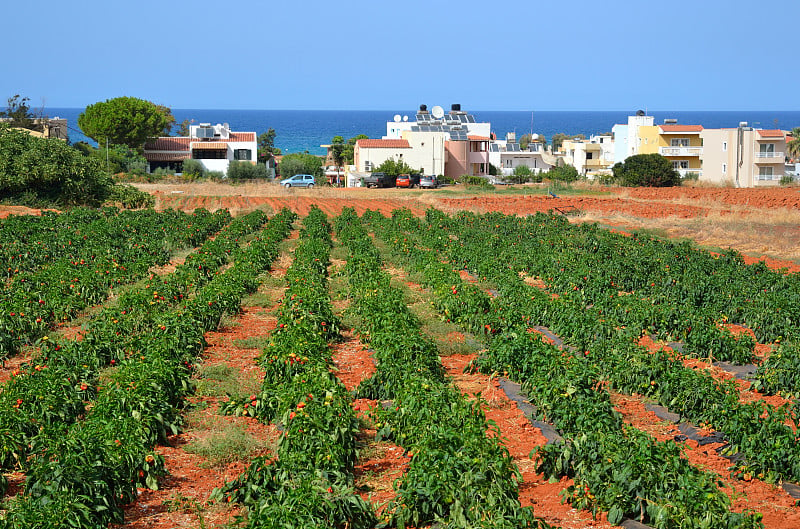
(684, 172)
(761, 155)
(680, 151)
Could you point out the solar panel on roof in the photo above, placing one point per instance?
(470, 118)
(494, 147)
(462, 118)
(414, 128)
(422, 117)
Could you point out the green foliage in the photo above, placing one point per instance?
(787, 180)
(241, 170)
(125, 121)
(300, 163)
(117, 158)
(476, 182)
(647, 170)
(343, 151)
(793, 145)
(193, 169)
(394, 167)
(127, 196)
(19, 114)
(266, 146)
(561, 173)
(49, 169)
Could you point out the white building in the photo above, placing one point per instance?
(215, 146)
(627, 138)
(590, 157)
(507, 155)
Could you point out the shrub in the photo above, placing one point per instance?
(647, 170)
(561, 173)
(49, 169)
(128, 196)
(787, 180)
(238, 170)
(192, 169)
(479, 182)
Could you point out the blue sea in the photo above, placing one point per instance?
(306, 130)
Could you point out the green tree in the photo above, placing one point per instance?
(19, 114)
(125, 121)
(394, 167)
(300, 163)
(522, 173)
(183, 128)
(266, 146)
(562, 173)
(241, 170)
(348, 152)
(49, 169)
(793, 146)
(647, 170)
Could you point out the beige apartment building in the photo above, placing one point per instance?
(743, 157)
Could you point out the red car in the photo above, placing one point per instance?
(404, 180)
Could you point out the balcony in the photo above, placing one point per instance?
(680, 151)
(769, 157)
(684, 172)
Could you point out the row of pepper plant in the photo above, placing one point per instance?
(79, 474)
(52, 388)
(460, 474)
(618, 470)
(81, 263)
(310, 482)
(762, 439)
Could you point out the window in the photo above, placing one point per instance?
(680, 164)
(766, 150)
(679, 142)
(765, 173)
(209, 154)
(242, 154)
(724, 146)
(724, 168)
(589, 155)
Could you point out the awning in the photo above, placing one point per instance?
(209, 146)
(166, 156)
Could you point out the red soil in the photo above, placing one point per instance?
(190, 480)
(298, 204)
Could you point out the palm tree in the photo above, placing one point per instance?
(793, 146)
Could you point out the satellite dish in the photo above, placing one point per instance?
(534, 137)
(405, 118)
(397, 118)
(438, 112)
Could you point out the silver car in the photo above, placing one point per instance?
(299, 180)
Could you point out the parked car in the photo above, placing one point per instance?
(299, 180)
(428, 182)
(403, 180)
(378, 179)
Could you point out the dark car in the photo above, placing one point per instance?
(378, 180)
(428, 182)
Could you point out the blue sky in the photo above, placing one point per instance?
(373, 55)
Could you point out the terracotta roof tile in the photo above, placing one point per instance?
(770, 133)
(383, 144)
(181, 143)
(478, 138)
(174, 143)
(680, 128)
(166, 156)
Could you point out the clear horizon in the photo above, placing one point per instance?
(585, 56)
